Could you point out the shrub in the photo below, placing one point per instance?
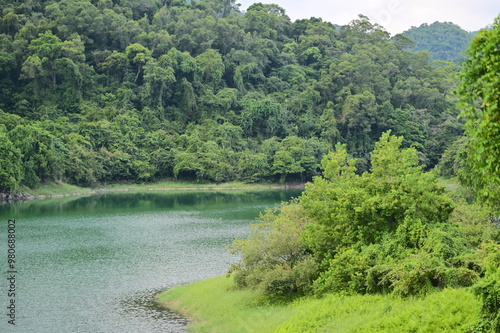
(274, 259)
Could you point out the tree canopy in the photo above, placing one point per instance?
(110, 91)
(479, 92)
(444, 40)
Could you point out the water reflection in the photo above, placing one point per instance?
(112, 202)
(94, 263)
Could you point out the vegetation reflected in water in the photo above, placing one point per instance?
(93, 264)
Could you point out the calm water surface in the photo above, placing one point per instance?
(93, 264)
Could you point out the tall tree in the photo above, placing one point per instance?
(479, 91)
(10, 163)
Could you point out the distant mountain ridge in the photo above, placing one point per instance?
(444, 40)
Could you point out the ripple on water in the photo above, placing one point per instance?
(94, 264)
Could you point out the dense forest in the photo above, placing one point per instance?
(94, 92)
(444, 40)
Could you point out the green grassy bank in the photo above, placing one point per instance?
(55, 189)
(213, 306)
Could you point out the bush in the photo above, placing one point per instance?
(274, 259)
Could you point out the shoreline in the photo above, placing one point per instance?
(163, 186)
(214, 305)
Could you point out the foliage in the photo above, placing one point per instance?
(10, 163)
(198, 90)
(489, 291)
(273, 257)
(386, 230)
(363, 208)
(444, 40)
(214, 306)
(479, 98)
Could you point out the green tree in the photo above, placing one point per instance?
(41, 160)
(383, 230)
(10, 163)
(479, 98)
(445, 40)
(139, 56)
(274, 259)
(175, 65)
(157, 81)
(294, 157)
(361, 208)
(46, 50)
(211, 67)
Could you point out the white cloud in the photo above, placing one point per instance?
(394, 15)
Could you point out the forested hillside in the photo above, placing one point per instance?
(99, 91)
(444, 40)
(393, 229)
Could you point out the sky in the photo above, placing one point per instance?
(395, 16)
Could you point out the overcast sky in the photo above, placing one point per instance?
(394, 15)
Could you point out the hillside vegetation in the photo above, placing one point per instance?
(444, 40)
(392, 230)
(96, 92)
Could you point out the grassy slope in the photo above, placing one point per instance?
(214, 307)
(60, 189)
(55, 188)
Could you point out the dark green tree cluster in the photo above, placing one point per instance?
(444, 40)
(479, 98)
(106, 91)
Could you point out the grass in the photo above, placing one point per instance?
(55, 189)
(455, 190)
(181, 185)
(451, 310)
(449, 184)
(61, 189)
(213, 306)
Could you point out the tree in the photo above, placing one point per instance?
(210, 67)
(46, 49)
(222, 8)
(10, 163)
(174, 64)
(274, 259)
(361, 208)
(39, 154)
(138, 55)
(157, 80)
(479, 92)
(294, 156)
(62, 62)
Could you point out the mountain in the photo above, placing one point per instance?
(444, 40)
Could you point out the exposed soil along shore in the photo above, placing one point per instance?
(9, 197)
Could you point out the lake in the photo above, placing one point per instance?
(94, 263)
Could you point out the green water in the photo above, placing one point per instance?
(93, 264)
